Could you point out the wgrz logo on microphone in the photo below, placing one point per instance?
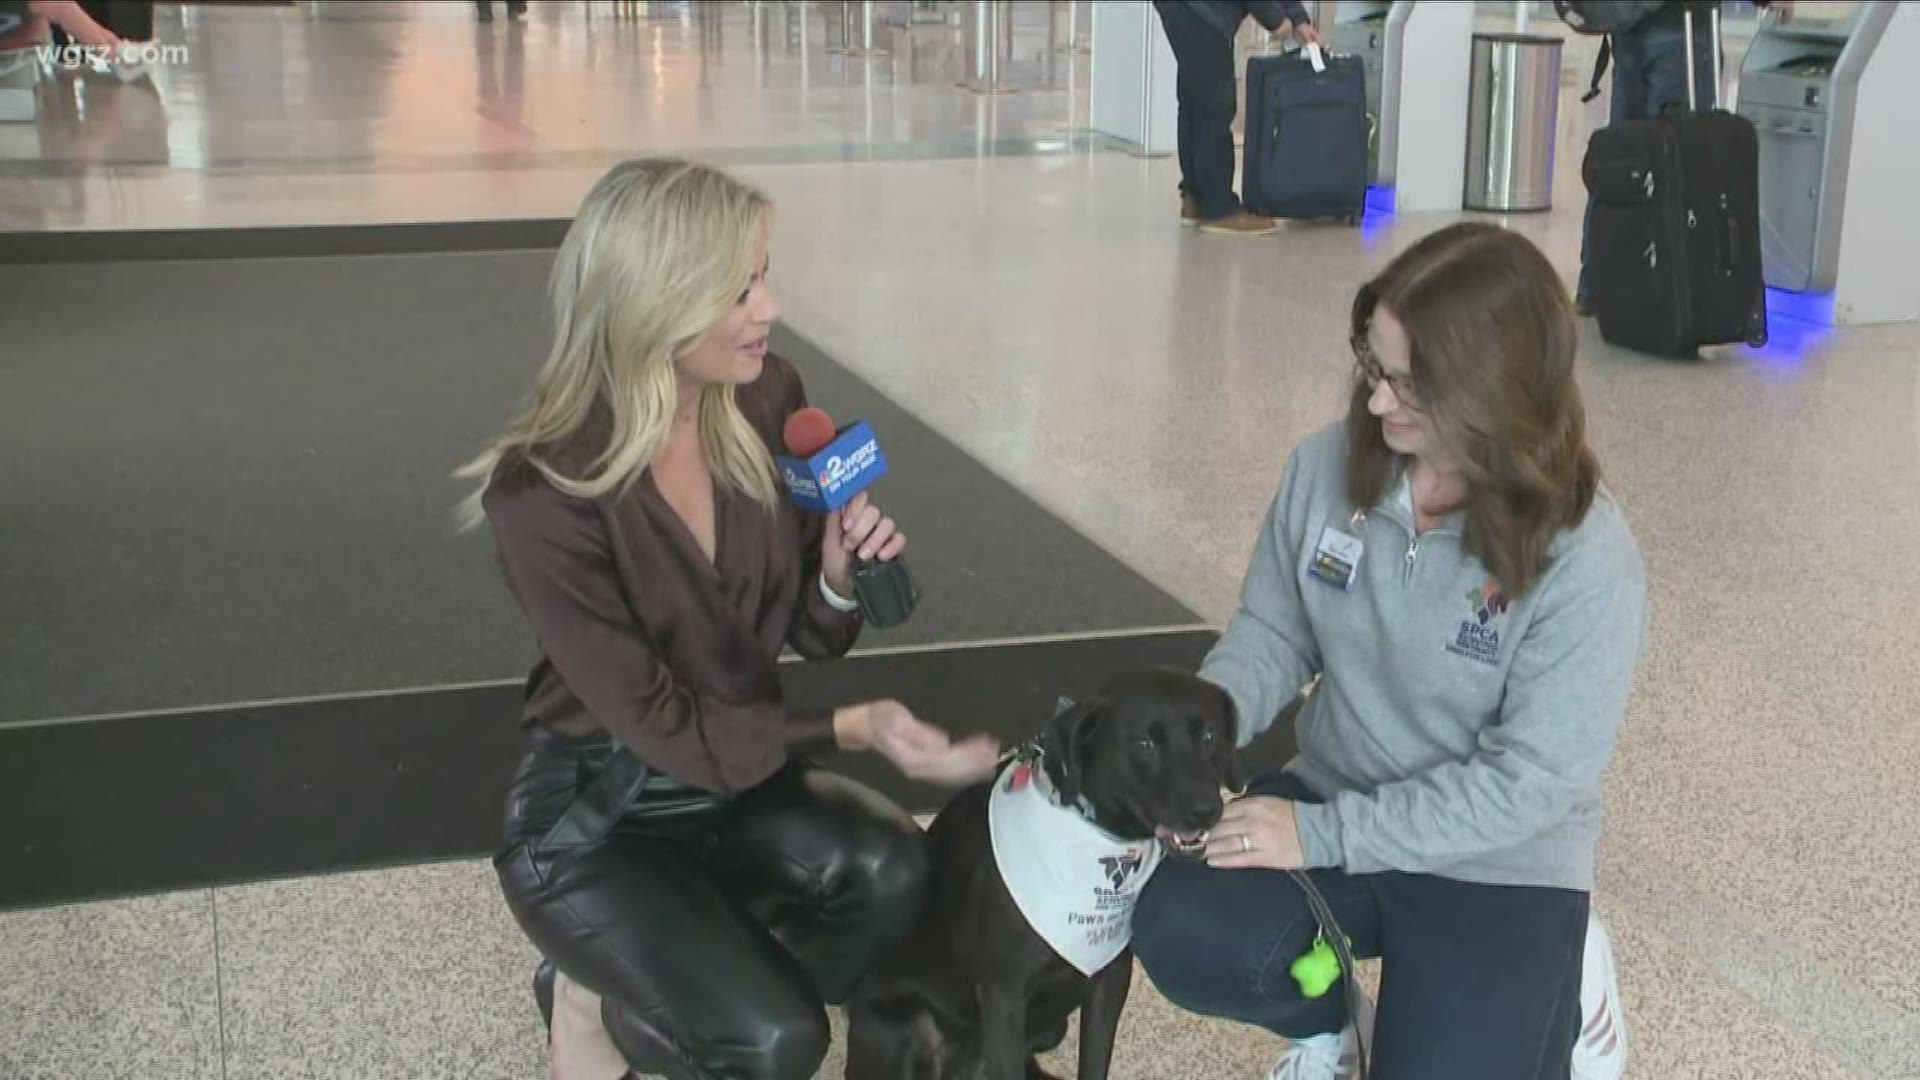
(840, 470)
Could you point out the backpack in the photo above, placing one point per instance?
(1605, 16)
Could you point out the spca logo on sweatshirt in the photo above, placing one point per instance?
(1479, 635)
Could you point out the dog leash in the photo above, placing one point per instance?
(1331, 933)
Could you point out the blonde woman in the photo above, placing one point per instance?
(668, 847)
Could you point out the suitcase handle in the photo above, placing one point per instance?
(1327, 52)
(1686, 18)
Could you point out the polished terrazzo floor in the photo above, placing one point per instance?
(1029, 293)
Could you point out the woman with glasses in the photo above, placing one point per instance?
(1445, 562)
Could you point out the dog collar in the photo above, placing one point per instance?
(1031, 756)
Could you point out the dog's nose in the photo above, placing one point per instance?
(1204, 812)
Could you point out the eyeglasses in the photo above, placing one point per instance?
(1371, 370)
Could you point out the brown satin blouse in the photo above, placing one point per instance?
(641, 637)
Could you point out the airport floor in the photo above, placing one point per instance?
(1019, 291)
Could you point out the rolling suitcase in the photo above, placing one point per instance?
(1674, 252)
(1306, 136)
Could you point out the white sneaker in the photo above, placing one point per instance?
(1319, 1057)
(1600, 1053)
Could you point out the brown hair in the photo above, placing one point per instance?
(1493, 336)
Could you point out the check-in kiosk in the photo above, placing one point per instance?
(1833, 99)
(1360, 29)
(1417, 58)
(1131, 77)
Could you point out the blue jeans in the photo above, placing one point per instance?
(1482, 982)
(1207, 94)
(1649, 76)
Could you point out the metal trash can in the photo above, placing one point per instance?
(1513, 113)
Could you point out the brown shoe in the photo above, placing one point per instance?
(1240, 223)
(1189, 211)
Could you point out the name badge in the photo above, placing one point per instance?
(1337, 560)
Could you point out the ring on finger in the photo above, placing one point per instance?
(1246, 845)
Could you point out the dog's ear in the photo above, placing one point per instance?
(1225, 740)
(1230, 775)
(1065, 746)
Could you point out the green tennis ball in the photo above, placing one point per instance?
(1317, 969)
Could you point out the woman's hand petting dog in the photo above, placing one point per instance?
(918, 749)
(858, 531)
(1257, 831)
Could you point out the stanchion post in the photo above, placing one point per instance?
(837, 42)
(989, 24)
(867, 49)
(1075, 45)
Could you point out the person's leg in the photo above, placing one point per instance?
(1183, 124)
(692, 987)
(833, 868)
(1215, 94)
(1183, 147)
(1222, 942)
(1480, 980)
(1208, 101)
(1663, 53)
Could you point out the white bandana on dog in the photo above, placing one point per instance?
(1075, 884)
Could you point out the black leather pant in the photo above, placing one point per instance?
(715, 929)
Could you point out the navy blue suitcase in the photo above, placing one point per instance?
(1307, 135)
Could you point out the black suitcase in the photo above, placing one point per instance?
(1674, 253)
(1306, 137)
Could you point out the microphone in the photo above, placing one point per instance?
(808, 431)
(824, 469)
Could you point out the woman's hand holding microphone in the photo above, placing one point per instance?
(857, 532)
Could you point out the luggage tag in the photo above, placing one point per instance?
(1313, 56)
(1336, 560)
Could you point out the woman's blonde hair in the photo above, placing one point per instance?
(659, 252)
(1493, 337)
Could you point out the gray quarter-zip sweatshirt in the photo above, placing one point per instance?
(1454, 731)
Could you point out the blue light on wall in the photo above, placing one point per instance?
(1806, 307)
(1798, 324)
(1377, 214)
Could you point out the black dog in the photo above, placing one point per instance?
(974, 992)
